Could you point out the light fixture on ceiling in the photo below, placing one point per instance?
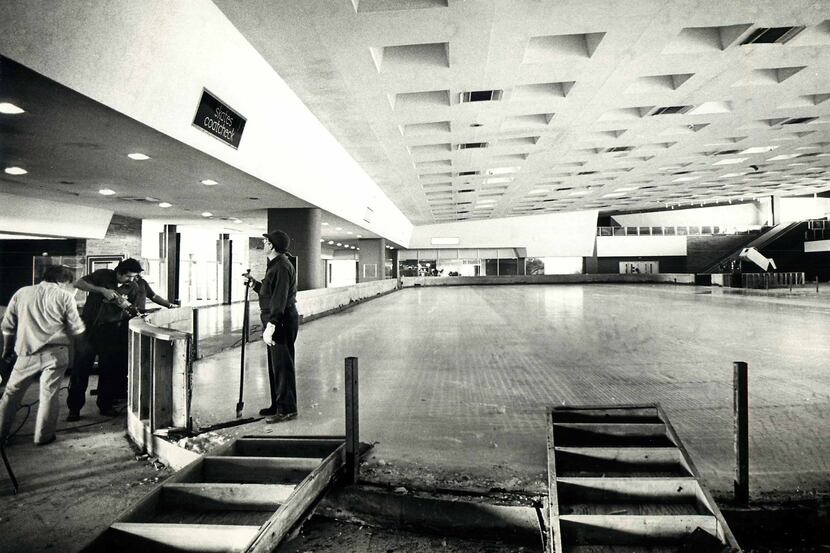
(16, 171)
(349, 232)
(360, 236)
(331, 242)
(138, 156)
(339, 244)
(209, 182)
(106, 192)
(325, 224)
(8, 108)
(165, 204)
(207, 214)
(338, 228)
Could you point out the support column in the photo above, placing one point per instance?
(775, 208)
(303, 227)
(371, 259)
(170, 243)
(224, 256)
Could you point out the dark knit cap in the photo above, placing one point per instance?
(279, 240)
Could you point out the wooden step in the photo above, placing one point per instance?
(221, 496)
(581, 434)
(257, 470)
(314, 447)
(134, 536)
(620, 461)
(632, 529)
(631, 496)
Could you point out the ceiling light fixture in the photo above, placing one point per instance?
(106, 192)
(165, 204)
(16, 171)
(207, 214)
(331, 241)
(338, 228)
(339, 244)
(10, 109)
(138, 156)
(209, 182)
(360, 236)
(325, 224)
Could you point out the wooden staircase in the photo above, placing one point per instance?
(244, 497)
(620, 481)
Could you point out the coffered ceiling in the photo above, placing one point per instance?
(470, 109)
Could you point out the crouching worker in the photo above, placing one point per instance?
(39, 324)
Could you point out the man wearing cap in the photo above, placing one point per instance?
(280, 322)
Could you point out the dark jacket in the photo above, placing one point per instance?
(277, 291)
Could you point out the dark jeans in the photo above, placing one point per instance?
(109, 342)
(281, 373)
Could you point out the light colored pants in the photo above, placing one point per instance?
(50, 363)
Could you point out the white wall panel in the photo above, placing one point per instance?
(550, 235)
(637, 246)
(44, 218)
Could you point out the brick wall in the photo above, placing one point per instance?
(123, 237)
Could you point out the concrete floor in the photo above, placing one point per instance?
(454, 381)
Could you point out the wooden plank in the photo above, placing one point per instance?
(180, 384)
(630, 496)
(208, 538)
(161, 411)
(620, 461)
(610, 414)
(218, 496)
(553, 541)
(263, 470)
(284, 447)
(303, 498)
(723, 532)
(145, 377)
(632, 529)
(608, 434)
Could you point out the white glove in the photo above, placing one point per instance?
(268, 334)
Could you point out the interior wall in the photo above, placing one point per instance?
(801, 209)
(745, 214)
(550, 235)
(123, 236)
(21, 215)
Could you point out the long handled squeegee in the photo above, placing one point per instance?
(245, 325)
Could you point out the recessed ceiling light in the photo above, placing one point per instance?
(16, 171)
(331, 241)
(10, 109)
(339, 244)
(325, 224)
(209, 182)
(759, 149)
(138, 156)
(165, 204)
(349, 232)
(338, 228)
(207, 214)
(360, 236)
(731, 161)
(106, 192)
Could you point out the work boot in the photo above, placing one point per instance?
(73, 416)
(281, 417)
(268, 411)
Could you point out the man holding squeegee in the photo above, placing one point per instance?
(280, 322)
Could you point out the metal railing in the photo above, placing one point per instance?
(766, 281)
(687, 230)
(817, 229)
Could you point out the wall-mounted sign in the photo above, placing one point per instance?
(217, 119)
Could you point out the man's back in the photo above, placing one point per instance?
(39, 315)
